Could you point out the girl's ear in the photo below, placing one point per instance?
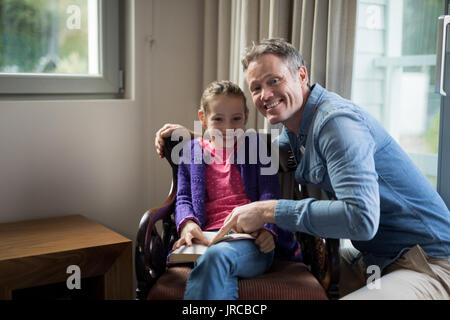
(202, 118)
(246, 117)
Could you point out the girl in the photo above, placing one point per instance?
(209, 190)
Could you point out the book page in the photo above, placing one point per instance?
(235, 236)
(194, 249)
(185, 253)
(209, 235)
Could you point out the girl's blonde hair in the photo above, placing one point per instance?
(221, 88)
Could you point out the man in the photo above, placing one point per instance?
(392, 214)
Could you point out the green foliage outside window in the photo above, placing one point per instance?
(34, 37)
(419, 38)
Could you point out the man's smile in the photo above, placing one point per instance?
(273, 105)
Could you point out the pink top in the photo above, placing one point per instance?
(224, 189)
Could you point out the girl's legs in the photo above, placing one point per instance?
(215, 275)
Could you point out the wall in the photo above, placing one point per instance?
(62, 157)
(176, 59)
(96, 158)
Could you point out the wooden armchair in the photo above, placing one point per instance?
(316, 278)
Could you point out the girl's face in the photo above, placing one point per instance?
(224, 112)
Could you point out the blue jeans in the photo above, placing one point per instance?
(216, 272)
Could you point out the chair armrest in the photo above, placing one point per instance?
(152, 248)
(334, 261)
(322, 256)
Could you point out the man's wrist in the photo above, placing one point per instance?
(269, 211)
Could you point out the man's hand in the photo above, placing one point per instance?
(248, 218)
(264, 240)
(165, 132)
(190, 232)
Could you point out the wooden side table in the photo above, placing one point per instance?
(36, 254)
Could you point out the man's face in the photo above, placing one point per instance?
(276, 92)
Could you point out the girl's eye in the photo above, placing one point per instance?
(237, 119)
(217, 119)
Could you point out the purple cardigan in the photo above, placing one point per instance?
(191, 192)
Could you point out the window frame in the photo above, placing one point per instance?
(443, 154)
(109, 82)
(443, 176)
(427, 162)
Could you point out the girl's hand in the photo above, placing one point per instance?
(190, 232)
(264, 240)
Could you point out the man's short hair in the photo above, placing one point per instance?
(276, 46)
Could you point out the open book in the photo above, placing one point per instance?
(190, 254)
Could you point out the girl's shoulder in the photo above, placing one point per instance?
(193, 144)
(189, 151)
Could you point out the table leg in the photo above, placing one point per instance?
(5, 293)
(118, 280)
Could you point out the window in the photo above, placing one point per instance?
(59, 47)
(394, 73)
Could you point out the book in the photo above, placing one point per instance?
(185, 254)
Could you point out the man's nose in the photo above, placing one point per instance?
(266, 94)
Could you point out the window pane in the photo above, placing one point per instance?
(394, 73)
(49, 37)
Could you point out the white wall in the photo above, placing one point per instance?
(176, 78)
(73, 157)
(96, 158)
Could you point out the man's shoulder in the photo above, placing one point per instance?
(333, 106)
(332, 102)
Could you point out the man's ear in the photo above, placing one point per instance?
(302, 75)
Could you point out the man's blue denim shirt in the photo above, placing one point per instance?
(384, 203)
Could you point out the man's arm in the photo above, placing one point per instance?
(348, 149)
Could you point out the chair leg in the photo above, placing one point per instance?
(142, 291)
(333, 291)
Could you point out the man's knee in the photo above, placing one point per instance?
(401, 284)
(352, 271)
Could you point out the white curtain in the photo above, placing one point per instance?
(322, 30)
